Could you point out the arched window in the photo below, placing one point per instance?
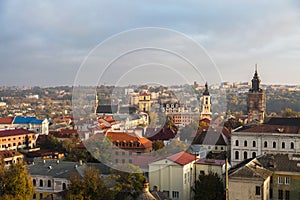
(34, 182)
(292, 145)
(283, 145)
(49, 183)
(265, 144)
(254, 144)
(253, 154)
(245, 143)
(41, 183)
(237, 143)
(274, 144)
(237, 155)
(245, 155)
(64, 186)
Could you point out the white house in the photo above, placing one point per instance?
(173, 175)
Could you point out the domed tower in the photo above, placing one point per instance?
(256, 104)
(206, 105)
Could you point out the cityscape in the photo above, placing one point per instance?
(112, 100)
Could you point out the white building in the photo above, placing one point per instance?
(173, 175)
(249, 142)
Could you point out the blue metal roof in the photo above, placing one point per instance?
(26, 120)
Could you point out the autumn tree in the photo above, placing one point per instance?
(129, 182)
(157, 144)
(15, 182)
(90, 187)
(209, 187)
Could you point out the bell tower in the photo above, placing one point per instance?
(256, 103)
(206, 105)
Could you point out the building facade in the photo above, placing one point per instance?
(249, 142)
(256, 103)
(206, 104)
(13, 139)
(173, 175)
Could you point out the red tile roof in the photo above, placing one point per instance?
(144, 94)
(9, 153)
(129, 137)
(6, 120)
(13, 132)
(182, 158)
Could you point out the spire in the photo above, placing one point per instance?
(206, 92)
(255, 81)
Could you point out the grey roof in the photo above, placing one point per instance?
(281, 162)
(63, 169)
(250, 169)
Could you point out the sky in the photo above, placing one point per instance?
(54, 42)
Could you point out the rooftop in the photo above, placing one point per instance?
(15, 132)
(182, 158)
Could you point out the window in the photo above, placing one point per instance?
(64, 186)
(287, 195)
(245, 143)
(123, 160)
(117, 153)
(245, 155)
(253, 154)
(117, 160)
(166, 193)
(280, 180)
(257, 190)
(130, 161)
(41, 195)
(274, 144)
(254, 143)
(271, 193)
(34, 182)
(123, 153)
(287, 180)
(34, 196)
(130, 153)
(236, 143)
(236, 155)
(202, 172)
(292, 145)
(265, 144)
(175, 194)
(49, 183)
(283, 145)
(41, 183)
(280, 195)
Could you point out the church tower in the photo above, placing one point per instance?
(206, 105)
(256, 104)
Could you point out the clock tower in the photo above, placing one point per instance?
(256, 103)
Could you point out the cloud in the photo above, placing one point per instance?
(57, 35)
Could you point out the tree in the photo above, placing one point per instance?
(15, 182)
(90, 187)
(157, 144)
(129, 182)
(209, 187)
(170, 123)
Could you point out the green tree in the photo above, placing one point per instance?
(209, 187)
(90, 187)
(129, 183)
(15, 182)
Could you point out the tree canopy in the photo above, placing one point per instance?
(90, 187)
(209, 187)
(15, 182)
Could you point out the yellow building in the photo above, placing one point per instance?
(144, 102)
